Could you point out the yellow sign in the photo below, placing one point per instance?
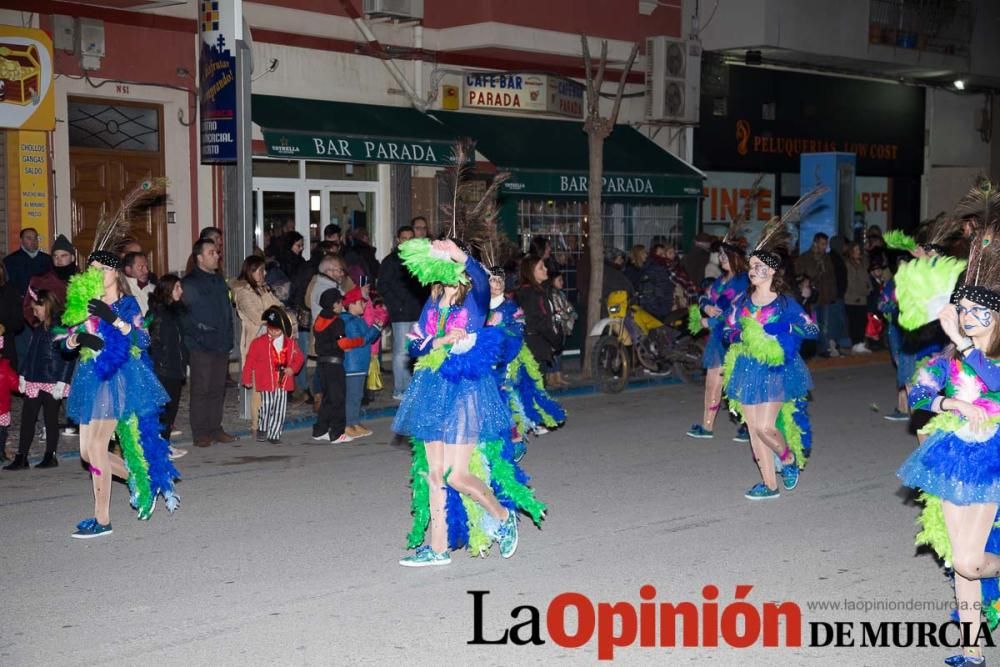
(449, 98)
(33, 170)
(27, 98)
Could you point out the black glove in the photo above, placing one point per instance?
(98, 308)
(85, 339)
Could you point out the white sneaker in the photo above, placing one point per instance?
(322, 438)
(344, 438)
(176, 452)
(175, 432)
(860, 348)
(832, 349)
(540, 430)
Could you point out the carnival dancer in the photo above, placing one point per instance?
(710, 313)
(454, 414)
(957, 467)
(114, 388)
(518, 375)
(766, 380)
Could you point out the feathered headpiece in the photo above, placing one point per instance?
(775, 235)
(113, 231)
(473, 226)
(739, 223)
(981, 207)
(938, 234)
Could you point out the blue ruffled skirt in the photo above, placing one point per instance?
(134, 388)
(753, 382)
(956, 469)
(466, 411)
(715, 351)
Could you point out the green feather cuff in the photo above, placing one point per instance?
(694, 320)
(898, 240)
(428, 269)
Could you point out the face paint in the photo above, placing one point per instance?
(981, 314)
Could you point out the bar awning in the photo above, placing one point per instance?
(551, 158)
(320, 130)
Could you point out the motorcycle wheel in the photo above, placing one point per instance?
(688, 360)
(611, 365)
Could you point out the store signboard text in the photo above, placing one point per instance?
(357, 149)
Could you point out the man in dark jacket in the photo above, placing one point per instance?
(55, 281)
(817, 266)
(26, 261)
(404, 297)
(360, 257)
(656, 288)
(208, 333)
(614, 278)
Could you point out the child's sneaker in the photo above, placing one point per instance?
(699, 431)
(362, 431)
(322, 437)
(89, 528)
(261, 436)
(742, 435)
(425, 556)
(274, 441)
(965, 661)
(343, 439)
(897, 416)
(175, 452)
(790, 475)
(520, 449)
(508, 535)
(759, 491)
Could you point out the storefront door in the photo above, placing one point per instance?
(277, 207)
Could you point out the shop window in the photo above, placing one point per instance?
(276, 168)
(114, 126)
(341, 171)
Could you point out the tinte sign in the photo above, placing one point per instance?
(357, 149)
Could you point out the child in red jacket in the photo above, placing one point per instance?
(8, 385)
(273, 359)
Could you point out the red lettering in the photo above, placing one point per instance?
(884, 198)
(793, 623)
(555, 620)
(647, 617)
(668, 625)
(764, 205)
(730, 204)
(606, 639)
(866, 200)
(710, 616)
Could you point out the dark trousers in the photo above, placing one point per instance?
(332, 417)
(29, 414)
(857, 320)
(208, 392)
(169, 414)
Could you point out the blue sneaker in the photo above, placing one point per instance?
(742, 435)
(508, 536)
(759, 491)
(790, 475)
(897, 416)
(89, 528)
(520, 449)
(965, 661)
(425, 556)
(699, 431)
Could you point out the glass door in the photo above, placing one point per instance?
(278, 208)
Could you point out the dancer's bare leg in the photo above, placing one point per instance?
(968, 529)
(713, 396)
(436, 495)
(757, 423)
(94, 438)
(459, 478)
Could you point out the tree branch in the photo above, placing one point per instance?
(589, 66)
(599, 79)
(613, 118)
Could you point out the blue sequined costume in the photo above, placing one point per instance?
(453, 396)
(721, 293)
(752, 381)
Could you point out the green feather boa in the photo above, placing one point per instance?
(525, 359)
(898, 240)
(479, 541)
(694, 320)
(923, 285)
(791, 431)
(416, 255)
(502, 474)
(432, 360)
(138, 468)
(420, 505)
(82, 288)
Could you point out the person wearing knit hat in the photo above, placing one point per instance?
(357, 359)
(54, 280)
(273, 359)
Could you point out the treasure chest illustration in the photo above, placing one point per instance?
(20, 73)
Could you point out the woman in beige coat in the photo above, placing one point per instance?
(252, 297)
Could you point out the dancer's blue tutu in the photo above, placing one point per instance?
(956, 469)
(133, 389)
(753, 382)
(715, 349)
(460, 412)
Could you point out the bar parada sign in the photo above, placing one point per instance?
(357, 149)
(633, 186)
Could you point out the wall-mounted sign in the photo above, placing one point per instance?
(357, 149)
(533, 93)
(32, 160)
(873, 195)
(727, 193)
(618, 186)
(27, 100)
(220, 24)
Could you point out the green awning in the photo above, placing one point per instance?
(551, 158)
(316, 129)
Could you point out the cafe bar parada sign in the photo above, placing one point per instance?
(533, 93)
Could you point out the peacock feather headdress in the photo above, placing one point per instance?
(739, 224)
(981, 208)
(112, 232)
(776, 234)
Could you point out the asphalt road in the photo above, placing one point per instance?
(286, 555)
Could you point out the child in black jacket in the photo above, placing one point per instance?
(331, 343)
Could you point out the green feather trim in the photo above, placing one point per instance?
(764, 348)
(898, 240)
(416, 255)
(728, 363)
(694, 320)
(420, 506)
(502, 474)
(479, 541)
(81, 289)
(933, 531)
(432, 360)
(138, 468)
(525, 359)
(925, 284)
(791, 431)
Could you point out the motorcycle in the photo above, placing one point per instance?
(631, 338)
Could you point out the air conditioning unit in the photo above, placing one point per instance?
(397, 9)
(673, 79)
